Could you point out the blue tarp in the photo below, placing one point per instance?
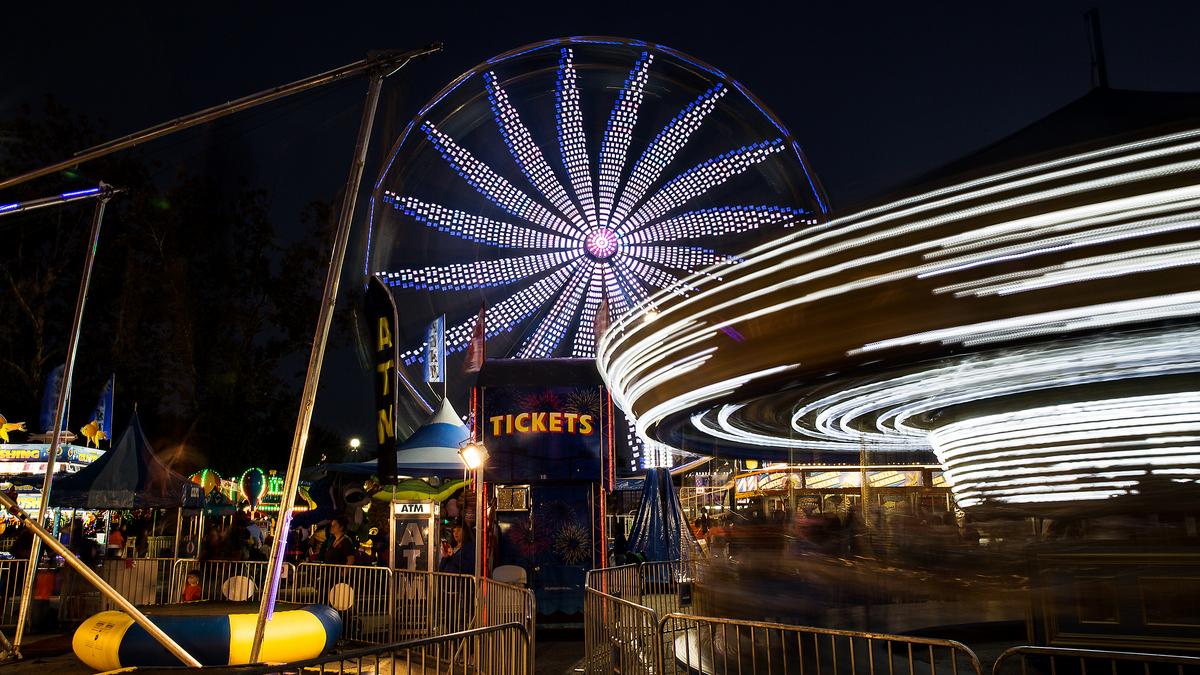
(659, 530)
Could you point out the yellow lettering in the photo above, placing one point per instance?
(556, 422)
(571, 417)
(539, 422)
(585, 424)
(387, 425)
(523, 423)
(496, 422)
(383, 370)
(385, 334)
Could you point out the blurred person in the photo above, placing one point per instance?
(341, 549)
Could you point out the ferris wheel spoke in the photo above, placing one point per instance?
(476, 228)
(663, 148)
(493, 186)
(572, 139)
(632, 287)
(700, 179)
(619, 299)
(685, 258)
(619, 133)
(527, 154)
(554, 326)
(479, 274)
(714, 222)
(585, 331)
(505, 315)
(656, 276)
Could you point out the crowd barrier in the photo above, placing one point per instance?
(496, 650)
(362, 595)
(1064, 661)
(703, 644)
(228, 580)
(644, 619)
(12, 580)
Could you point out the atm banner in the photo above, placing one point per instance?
(381, 317)
(543, 433)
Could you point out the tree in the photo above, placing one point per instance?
(195, 303)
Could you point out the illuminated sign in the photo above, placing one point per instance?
(542, 423)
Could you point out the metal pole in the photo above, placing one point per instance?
(292, 479)
(56, 200)
(91, 577)
(388, 61)
(35, 550)
(478, 526)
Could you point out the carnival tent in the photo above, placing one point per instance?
(128, 476)
(432, 450)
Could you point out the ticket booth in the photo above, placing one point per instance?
(546, 425)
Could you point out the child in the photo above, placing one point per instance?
(191, 592)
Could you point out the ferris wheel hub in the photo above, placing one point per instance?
(601, 243)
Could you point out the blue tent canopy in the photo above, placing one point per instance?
(659, 530)
(432, 450)
(128, 476)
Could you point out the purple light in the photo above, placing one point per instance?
(601, 243)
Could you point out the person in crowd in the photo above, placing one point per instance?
(192, 591)
(461, 558)
(116, 541)
(341, 548)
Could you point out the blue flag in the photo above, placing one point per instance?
(103, 413)
(435, 350)
(50, 400)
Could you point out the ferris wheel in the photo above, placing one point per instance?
(569, 176)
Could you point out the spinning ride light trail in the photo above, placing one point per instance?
(1059, 298)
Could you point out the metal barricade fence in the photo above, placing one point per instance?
(12, 581)
(494, 650)
(619, 636)
(502, 603)
(232, 580)
(158, 545)
(668, 586)
(427, 604)
(712, 645)
(361, 595)
(1064, 661)
(622, 582)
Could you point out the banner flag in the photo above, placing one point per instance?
(435, 350)
(475, 350)
(601, 323)
(50, 400)
(103, 413)
(381, 317)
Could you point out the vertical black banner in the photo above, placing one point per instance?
(381, 318)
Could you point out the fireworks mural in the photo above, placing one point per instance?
(571, 177)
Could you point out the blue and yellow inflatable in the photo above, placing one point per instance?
(111, 640)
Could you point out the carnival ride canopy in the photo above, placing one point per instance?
(127, 476)
(432, 450)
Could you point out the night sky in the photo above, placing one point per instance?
(875, 95)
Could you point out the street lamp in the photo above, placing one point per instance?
(474, 456)
(355, 443)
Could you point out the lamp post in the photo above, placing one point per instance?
(474, 456)
(355, 443)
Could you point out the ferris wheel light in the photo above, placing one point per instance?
(596, 219)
